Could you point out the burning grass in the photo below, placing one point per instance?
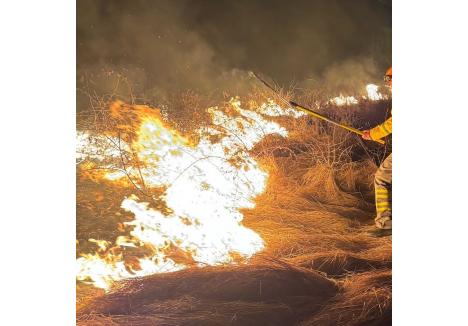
(319, 265)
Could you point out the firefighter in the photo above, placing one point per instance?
(383, 176)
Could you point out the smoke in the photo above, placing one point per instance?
(163, 47)
(348, 77)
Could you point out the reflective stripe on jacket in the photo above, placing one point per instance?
(382, 130)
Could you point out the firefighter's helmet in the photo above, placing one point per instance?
(388, 75)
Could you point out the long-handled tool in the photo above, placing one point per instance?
(311, 112)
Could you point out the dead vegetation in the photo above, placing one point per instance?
(261, 291)
(320, 266)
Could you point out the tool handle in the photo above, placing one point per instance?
(380, 141)
(317, 115)
(311, 112)
(360, 133)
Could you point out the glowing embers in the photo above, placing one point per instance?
(205, 186)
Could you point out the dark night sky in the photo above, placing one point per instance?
(180, 44)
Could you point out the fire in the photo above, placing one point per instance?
(373, 94)
(204, 187)
(344, 100)
(273, 110)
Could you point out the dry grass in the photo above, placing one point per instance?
(365, 299)
(320, 265)
(243, 295)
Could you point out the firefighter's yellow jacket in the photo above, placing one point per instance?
(382, 130)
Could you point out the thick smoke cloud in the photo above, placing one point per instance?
(167, 46)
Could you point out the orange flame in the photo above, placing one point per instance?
(205, 186)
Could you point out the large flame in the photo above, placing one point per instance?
(204, 187)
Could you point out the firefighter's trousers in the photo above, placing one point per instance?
(383, 194)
